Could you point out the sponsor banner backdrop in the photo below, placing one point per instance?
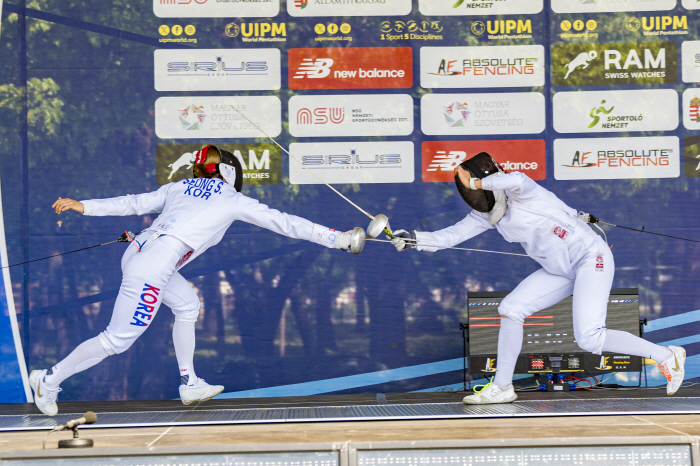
(217, 117)
(353, 162)
(351, 115)
(615, 111)
(467, 114)
(262, 163)
(690, 59)
(691, 4)
(215, 8)
(479, 7)
(494, 66)
(351, 68)
(633, 63)
(691, 108)
(616, 158)
(610, 6)
(217, 69)
(440, 158)
(354, 8)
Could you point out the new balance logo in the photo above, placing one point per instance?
(314, 69)
(446, 161)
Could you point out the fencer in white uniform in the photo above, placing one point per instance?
(194, 216)
(574, 260)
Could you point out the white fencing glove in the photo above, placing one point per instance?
(400, 236)
(342, 240)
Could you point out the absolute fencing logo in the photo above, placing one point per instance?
(616, 158)
(217, 117)
(469, 67)
(609, 6)
(351, 68)
(261, 163)
(629, 63)
(215, 8)
(352, 162)
(476, 114)
(351, 115)
(440, 158)
(616, 111)
(301, 8)
(217, 69)
(479, 7)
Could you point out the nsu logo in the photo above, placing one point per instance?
(321, 116)
(354, 160)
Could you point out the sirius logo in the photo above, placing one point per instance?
(218, 66)
(354, 160)
(446, 161)
(310, 68)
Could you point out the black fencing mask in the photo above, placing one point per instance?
(480, 166)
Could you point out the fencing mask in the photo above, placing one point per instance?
(211, 161)
(492, 202)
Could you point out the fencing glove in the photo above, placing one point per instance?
(400, 236)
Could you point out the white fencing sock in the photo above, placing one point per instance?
(510, 340)
(617, 341)
(86, 355)
(183, 340)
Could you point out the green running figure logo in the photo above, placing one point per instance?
(596, 111)
(459, 2)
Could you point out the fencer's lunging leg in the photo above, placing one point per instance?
(184, 342)
(145, 276)
(184, 302)
(617, 341)
(86, 355)
(510, 341)
(538, 291)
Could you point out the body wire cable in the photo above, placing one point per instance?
(124, 238)
(460, 249)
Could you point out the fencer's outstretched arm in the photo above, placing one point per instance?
(252, 211)
(470, 226)
(138, 204)
(63, 204)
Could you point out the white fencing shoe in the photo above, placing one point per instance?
(200, 391)
(674, 369)
(491, 394)
(44, 398)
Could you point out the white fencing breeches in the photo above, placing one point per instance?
(590, 289)
(150, 279)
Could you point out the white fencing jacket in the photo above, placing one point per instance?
(536, 218)
(198, 211)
